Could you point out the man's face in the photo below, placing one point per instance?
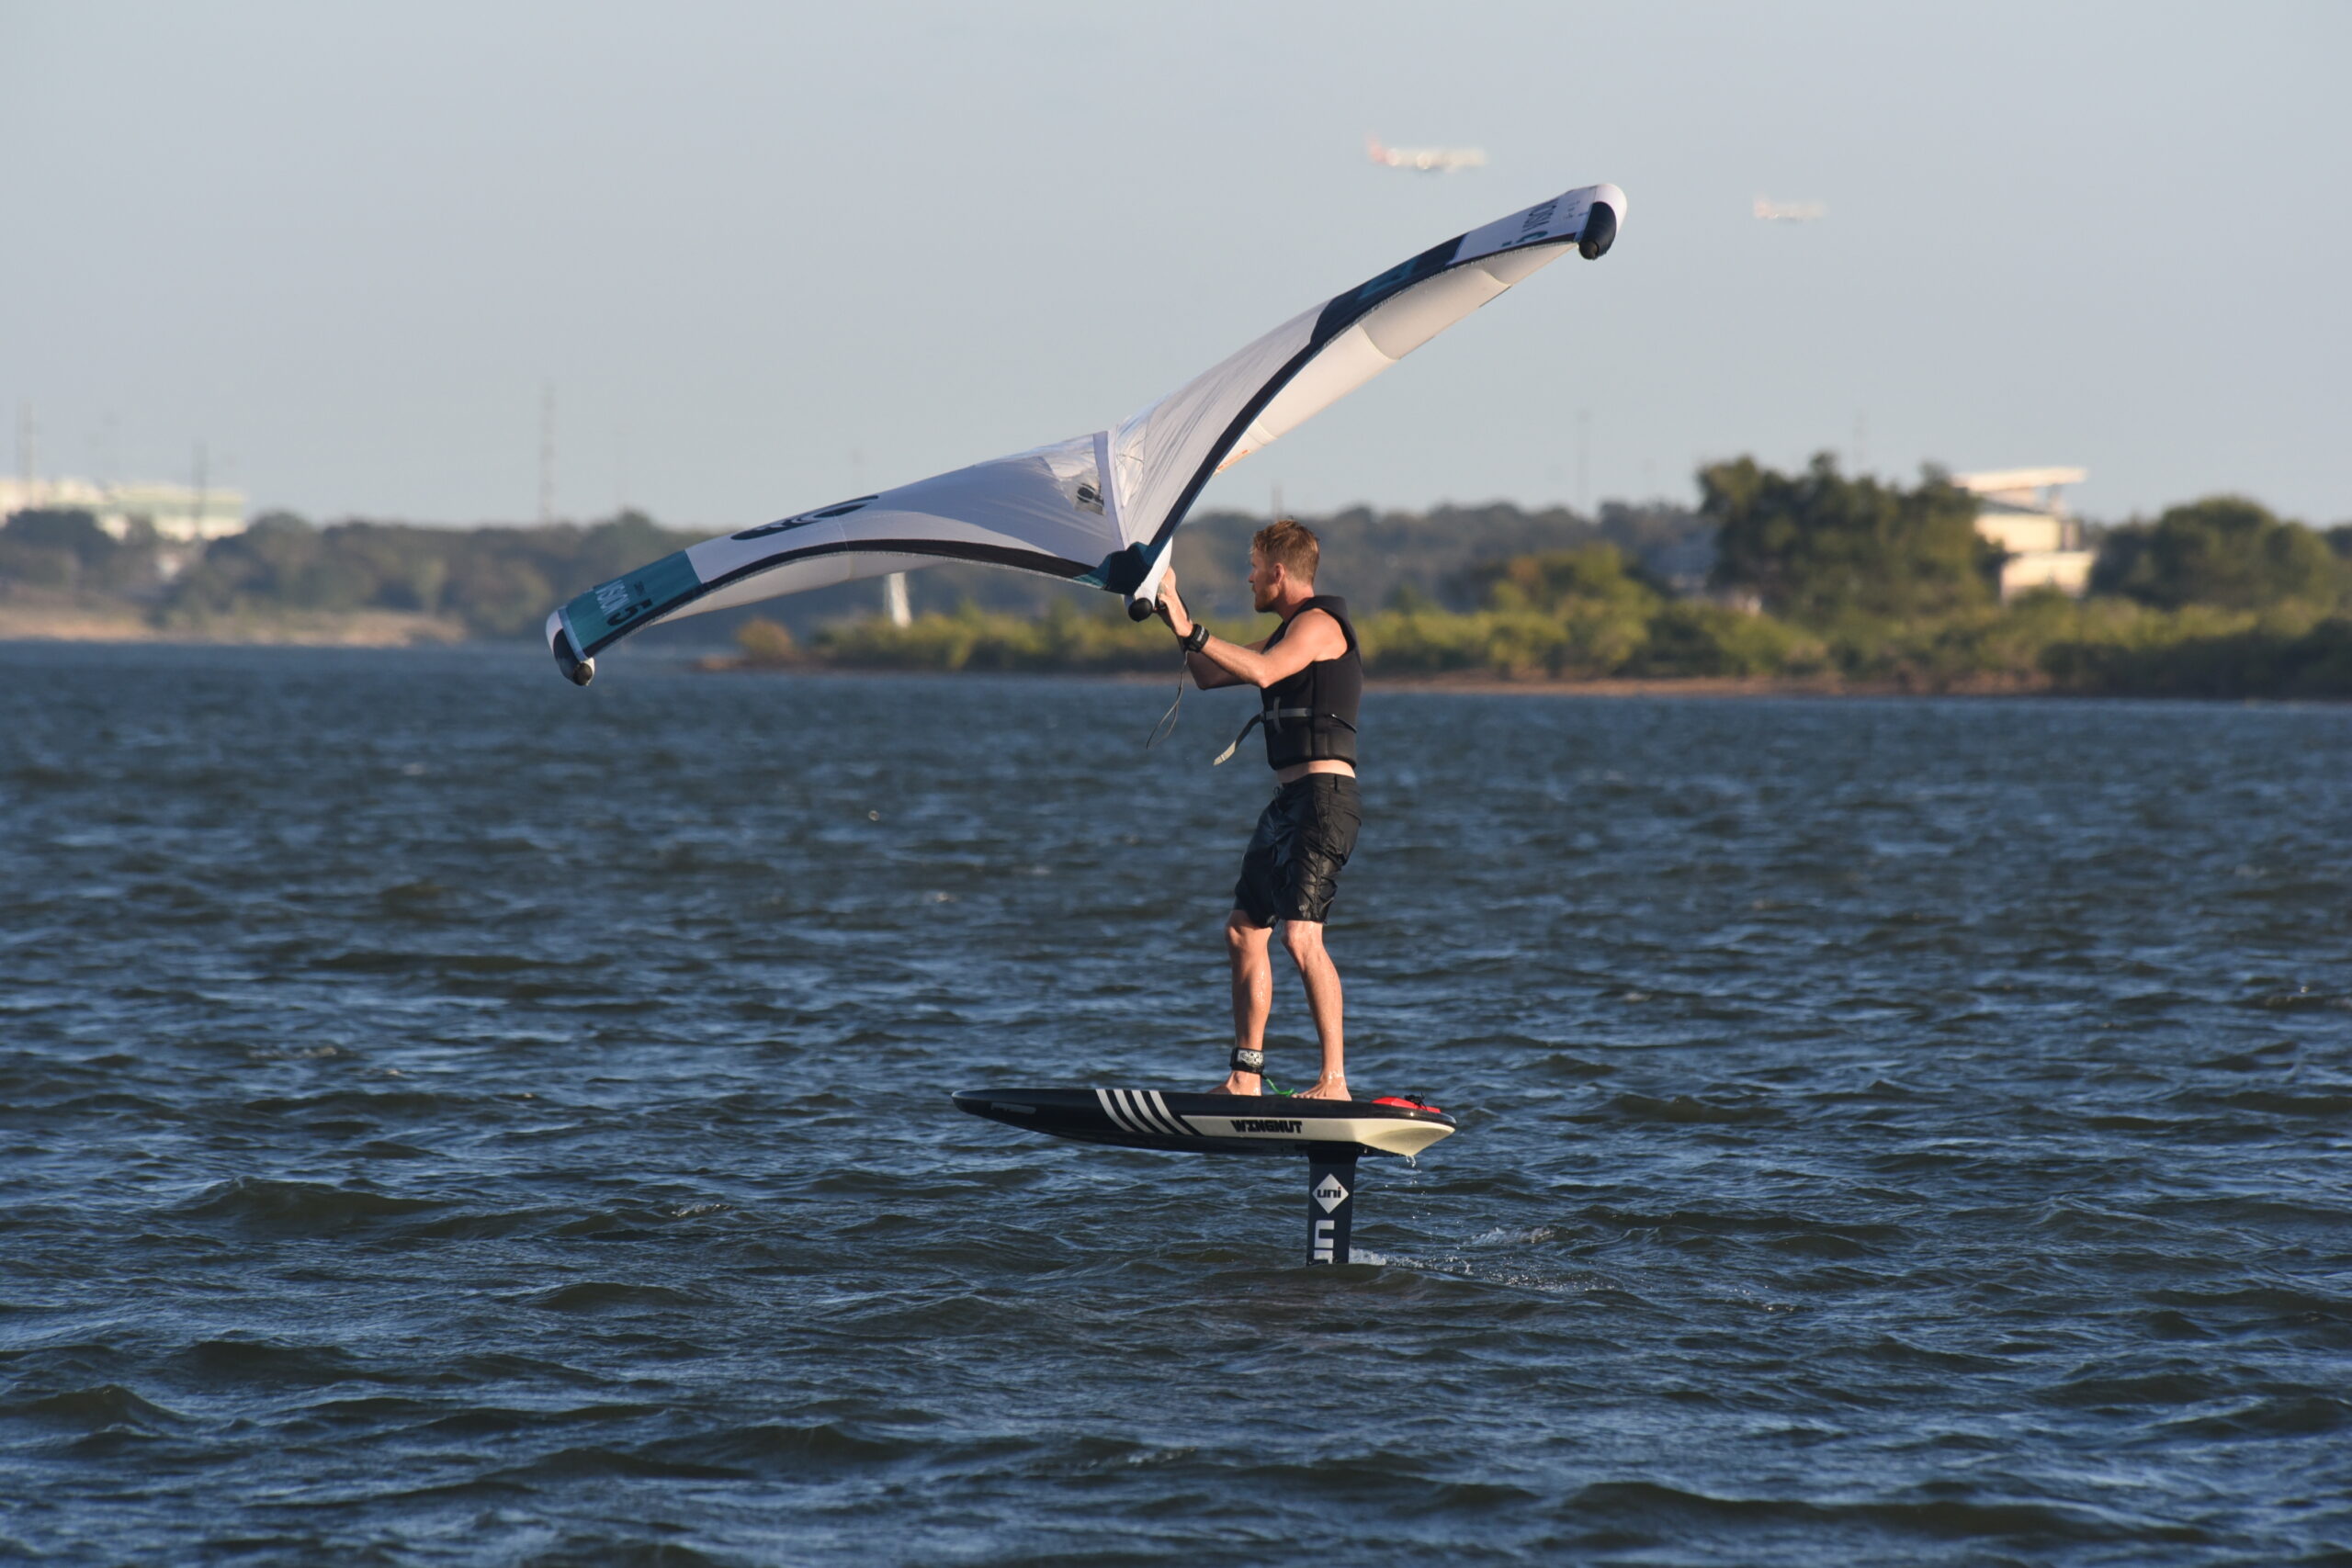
(1265, 581)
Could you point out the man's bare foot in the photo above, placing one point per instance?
(1240, 1083)
(1325, 1089)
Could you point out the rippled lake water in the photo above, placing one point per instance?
(447, 1117)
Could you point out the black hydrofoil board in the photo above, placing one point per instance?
(1177, 1122)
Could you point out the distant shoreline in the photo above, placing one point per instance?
(392, 630)
(54, 616)
(1484, 685)
(1607, 686)
(92, 625)
(1707, 686)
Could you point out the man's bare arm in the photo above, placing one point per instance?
(1313, 635)
(1206, 673)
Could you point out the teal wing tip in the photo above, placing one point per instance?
(577, 669)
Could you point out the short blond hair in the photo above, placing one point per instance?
(1291, 545)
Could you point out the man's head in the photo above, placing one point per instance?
(1282, 557)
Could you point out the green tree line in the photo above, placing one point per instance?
(491, 581)
(496, 582)
(1817, 575)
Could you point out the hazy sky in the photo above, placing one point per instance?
(769, 255)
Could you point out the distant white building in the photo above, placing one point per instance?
(180, 514)
(2020, 511)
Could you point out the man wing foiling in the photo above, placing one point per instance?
(1309, 674)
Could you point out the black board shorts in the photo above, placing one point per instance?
(1290, 871)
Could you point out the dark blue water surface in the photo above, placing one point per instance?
(447, 1117)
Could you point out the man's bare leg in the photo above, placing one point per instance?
(1305, 940)
(1253, 996)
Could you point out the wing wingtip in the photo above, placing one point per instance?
(577, 668)
(1600, 223)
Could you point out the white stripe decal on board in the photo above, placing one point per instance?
(1140, 1101)
(1134, 1112)
(1111, 1109)
(1172, 1119)
(1132, 1101)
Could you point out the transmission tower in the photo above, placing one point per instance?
(547, 453)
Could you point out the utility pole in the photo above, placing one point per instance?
(1584, 461)
(547, 453)
(27, 467)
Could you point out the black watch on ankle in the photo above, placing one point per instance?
(1195, 640)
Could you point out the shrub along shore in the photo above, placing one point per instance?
(2042, 642)
(1822, 582)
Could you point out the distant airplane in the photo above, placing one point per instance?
(1427, 159)
(1790, 211)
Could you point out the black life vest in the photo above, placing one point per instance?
(1311, 716)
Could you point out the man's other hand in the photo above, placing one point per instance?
(1172, 605)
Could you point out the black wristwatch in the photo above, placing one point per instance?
(1195, 640)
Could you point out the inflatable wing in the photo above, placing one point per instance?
(1101, 509)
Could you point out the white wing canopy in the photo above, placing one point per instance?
(1101, 509)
